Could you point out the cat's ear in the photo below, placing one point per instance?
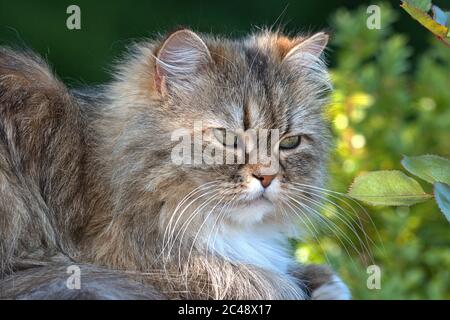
(313, 45)
(181, 55)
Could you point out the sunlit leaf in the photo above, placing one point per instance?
(448, 23)
(424, 19)
(430, 168)
(442, 195)
(389, 188)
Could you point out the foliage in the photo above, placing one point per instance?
(430, 168)
(394, 188)
(388, 188)
(442, 194)
(387, 102)
(439, 24)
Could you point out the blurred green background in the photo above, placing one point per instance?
(392, 98)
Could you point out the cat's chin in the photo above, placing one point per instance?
(252, 212)
(256, 204)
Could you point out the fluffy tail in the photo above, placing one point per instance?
(40, 159)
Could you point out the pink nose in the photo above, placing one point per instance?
(265, 180)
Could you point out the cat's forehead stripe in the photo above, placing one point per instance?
(258, 110)
(257, 61)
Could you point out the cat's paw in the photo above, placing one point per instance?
(322, 283)
(334, 289)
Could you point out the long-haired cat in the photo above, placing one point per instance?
(87, 179)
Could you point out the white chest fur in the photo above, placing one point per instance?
(259, 245)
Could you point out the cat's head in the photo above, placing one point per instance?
(207, 87)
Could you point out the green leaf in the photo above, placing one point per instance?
(389, 188)
(424, 5)
(424, 19)
(442, 195)
(430, 168)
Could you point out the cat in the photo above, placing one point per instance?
(87, 179)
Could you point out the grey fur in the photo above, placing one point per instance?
(86, 176)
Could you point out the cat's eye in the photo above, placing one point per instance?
(290, 142)
(226, 137)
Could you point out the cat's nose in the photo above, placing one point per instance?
(265, 180)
